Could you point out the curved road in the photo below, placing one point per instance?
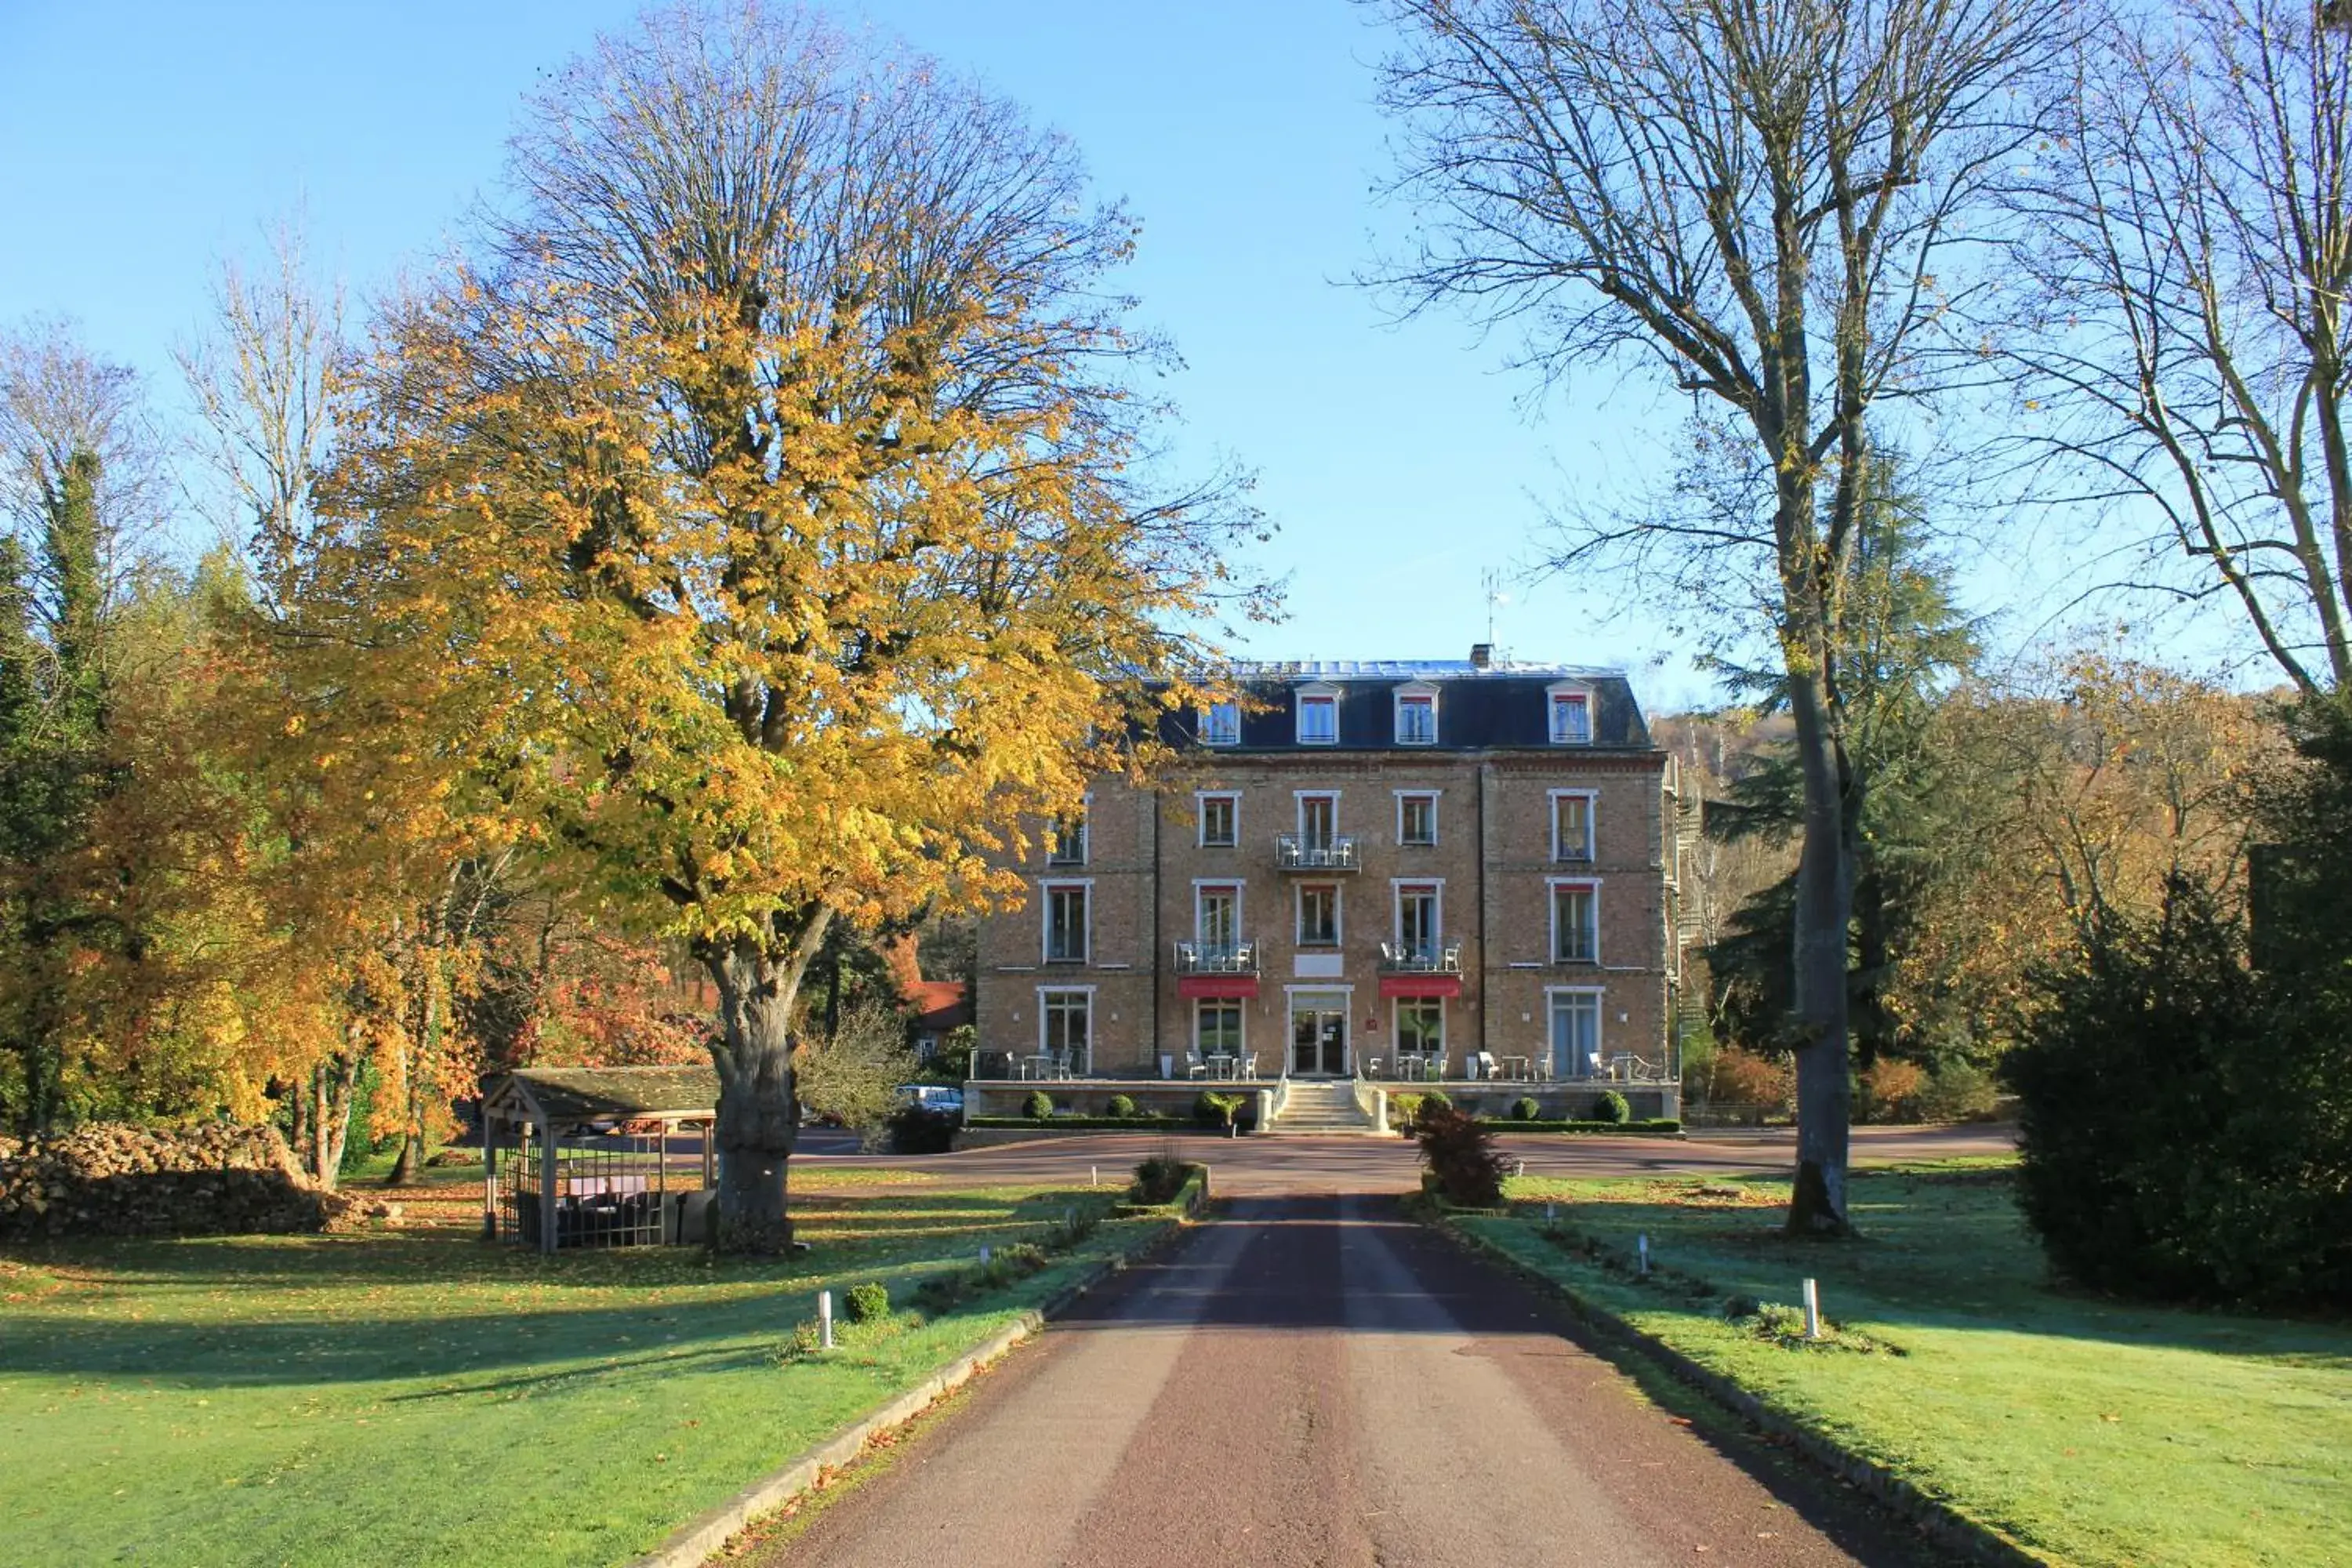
(1312, 1380)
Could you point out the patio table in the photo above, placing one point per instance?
(1516, 1068)
(1220, 1065)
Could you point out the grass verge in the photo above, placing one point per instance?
(2088, 1431)
(414, 1395)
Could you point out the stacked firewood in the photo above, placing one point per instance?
(112, 1179)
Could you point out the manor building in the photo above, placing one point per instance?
(1389, 870)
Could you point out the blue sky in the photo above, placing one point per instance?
(139, 143)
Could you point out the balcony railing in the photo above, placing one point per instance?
(1216, 957)
(1420, 958)
(1309, 852)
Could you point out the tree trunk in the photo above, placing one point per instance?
(1824, 908)
(408, 1168)
(759, 1114)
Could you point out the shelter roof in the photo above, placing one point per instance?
(596, 1094)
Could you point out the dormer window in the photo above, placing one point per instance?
(1572, 715)
(1222, 724)
(1416, 716)
(1318, 716)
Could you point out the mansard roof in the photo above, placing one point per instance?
(1482, 705)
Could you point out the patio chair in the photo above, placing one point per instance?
(1368, 1067)
(1247, 1067)
(1487, 1066)
(1193, 1066)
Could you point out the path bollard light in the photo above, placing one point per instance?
(1551, 1214)
(824, 1319)
(1641, 1249)
(1812, 1311)
(1522, 1169)
(984, 1256)
(1093, 1175)
(1069, 1219)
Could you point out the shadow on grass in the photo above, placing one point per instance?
(1938, 1250)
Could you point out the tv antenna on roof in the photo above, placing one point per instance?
(1492, 580)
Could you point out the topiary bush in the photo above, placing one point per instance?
(1610, 1106)
(1121, 1106)
(1157, 1180)
(1038, 1107)
(915, 1130)
(1461, 1158)
(870, 1303)
(1525, 1109)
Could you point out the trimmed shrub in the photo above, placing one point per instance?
(1038, 1107)
(1157, 1180)
(1525, 1109)
(1610, 1106)
(870, 1303)
(1121, 1106)
(1461, 1158)
(916, 1130)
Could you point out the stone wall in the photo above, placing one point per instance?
(109, 1179)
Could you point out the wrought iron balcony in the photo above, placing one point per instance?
(1310, 852)
(1421, 958)
(1216, 957)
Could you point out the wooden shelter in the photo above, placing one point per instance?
(581, 1157)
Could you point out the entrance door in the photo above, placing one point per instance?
(1318, 1041)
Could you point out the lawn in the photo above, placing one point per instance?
(2092, 1431)
(415, 1396)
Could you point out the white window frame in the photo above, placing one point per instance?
(1414, 691)
(1444, 1023)
(1552, 996)
(1591, 798)
(1298, 799)
(1214, 732)
(1241, 1009)
(1552, 695)
(1552, 886)
(1200, 799)
(1397, 885)
(1084, 820)
(1435, 797)
(1317, 692)
(1046, 889)
(1086, 990)
(1339, 917)
(1203, 886)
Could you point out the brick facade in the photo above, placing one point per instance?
(1493, 867)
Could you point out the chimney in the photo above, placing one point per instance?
(1482, 655)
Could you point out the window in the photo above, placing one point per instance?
(1420, 1025)
(1572, 717)
(1417, 819)
(1217, 916)
(1576, 1033)
(1066, 922)
(1222, 724)
(1069, 842)
(1571, 825)
(1319, 820)
(1417, 718)
(1067, 1024)
(1417, 919)
(1217, 1027)
(1318, 914)
(1220, 821)
(1575, 922)
(1319, 717)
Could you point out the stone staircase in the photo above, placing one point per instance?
(1321, 1108)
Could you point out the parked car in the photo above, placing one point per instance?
(932, 1097)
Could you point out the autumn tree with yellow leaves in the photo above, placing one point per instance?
(767, 495)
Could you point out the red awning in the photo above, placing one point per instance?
(1421, 986)
(1216, 985)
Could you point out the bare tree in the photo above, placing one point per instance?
(2190, 348)
(1767, 203)
(259, 381)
